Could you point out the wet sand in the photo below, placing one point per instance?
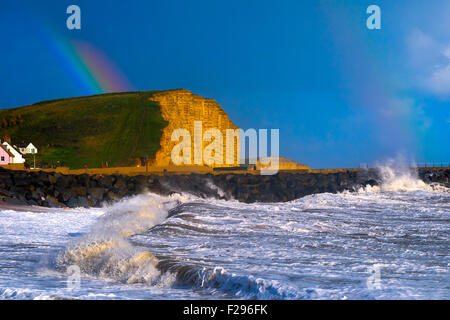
(19, 207)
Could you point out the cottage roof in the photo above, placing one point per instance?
(6, 150)
(10, 148)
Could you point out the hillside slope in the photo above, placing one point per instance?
(74, 132)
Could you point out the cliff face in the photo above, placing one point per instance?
(180, 108)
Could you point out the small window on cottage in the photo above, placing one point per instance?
(3, 158)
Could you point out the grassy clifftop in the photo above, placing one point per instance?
(118, 128)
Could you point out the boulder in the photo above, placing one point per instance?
(96, 193)
(120, 183)
(53, 202)
(6, 193)
(78, 202)
(78, 191)
(105, 181)
(52, 178)
(63, 181)
(83, 180)
(62, 195)
(112, 196)
(21, 181)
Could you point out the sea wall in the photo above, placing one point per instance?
(52, 189)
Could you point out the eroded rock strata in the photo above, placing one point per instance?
(180, 108)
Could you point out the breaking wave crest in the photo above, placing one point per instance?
(218, 280)
(105, 251)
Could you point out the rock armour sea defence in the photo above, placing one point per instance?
(181, 108)
(55, 189)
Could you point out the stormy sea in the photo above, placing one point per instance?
(383, 242)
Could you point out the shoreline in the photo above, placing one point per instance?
(53, 189)
(190, 169)
(22, 207)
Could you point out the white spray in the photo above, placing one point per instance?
(396, 176)
(106, 252)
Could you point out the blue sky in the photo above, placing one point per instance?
(340, 94)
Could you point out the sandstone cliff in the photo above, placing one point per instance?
(180, 108)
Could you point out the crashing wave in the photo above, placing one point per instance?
(106, 252)
(398, 179)
(219, 281)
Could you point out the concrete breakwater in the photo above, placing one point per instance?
(50, 189)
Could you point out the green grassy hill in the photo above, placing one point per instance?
(74, 132)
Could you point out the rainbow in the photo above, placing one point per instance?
(88, 66)
(106, 75)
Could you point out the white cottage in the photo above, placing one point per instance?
(31, 149)
(17, 156)
(26, 148)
